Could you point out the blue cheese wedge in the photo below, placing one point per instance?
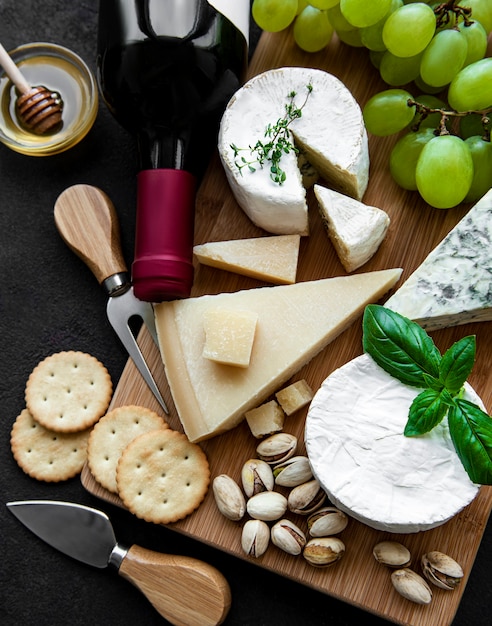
(368, 468)
(294, 323)
(355, 229)
(330, 134)
(453, 285)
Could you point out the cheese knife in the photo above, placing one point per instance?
(184, 590)
(88, 223)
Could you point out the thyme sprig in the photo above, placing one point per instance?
(279, 142)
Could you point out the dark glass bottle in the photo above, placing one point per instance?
(166, 71)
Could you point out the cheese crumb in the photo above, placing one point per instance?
(229, 336)
(295, 396)
(265, 419)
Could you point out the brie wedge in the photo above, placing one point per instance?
(273, 259)
(453, 285)
(355, 229)
(368, 467)
(294, 323)
(330, 133)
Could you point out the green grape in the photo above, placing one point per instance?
(444, 171)
(376, 57)
(476, 38)
(388, 112)
(471, 88)
(274, 15)
(338, 21)
(404, 156)
(301, 5)
(398, 71)
(362, 13)
(475, 124)
(409, 29)
(481, 152)
(424, 87)
(372, 36)
(481, 11)
(351, 38)
(312, 30)
(443, 58)
(323, 4)
(431, 120)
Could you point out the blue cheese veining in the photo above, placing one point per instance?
(453, 285)
(368, 467)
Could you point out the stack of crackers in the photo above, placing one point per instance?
(131, 451)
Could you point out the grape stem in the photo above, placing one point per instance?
(423, 111)
(445, 10)
(279, 142)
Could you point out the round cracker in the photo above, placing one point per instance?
(68, 391)
(44, 454)
(110, 436)
(162, 477)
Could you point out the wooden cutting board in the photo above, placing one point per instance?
(414, 231)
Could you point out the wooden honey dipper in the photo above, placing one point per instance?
(38, 108)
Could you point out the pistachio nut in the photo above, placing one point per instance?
(255, 537)
(277, 448)
(229, 497)
(442, 570)
(256, 476)
(327, 521)
(306, 498)
(288, 537)
(267, 506)
(293, 472)
(411, 586)
(392, 554)
(323, 551)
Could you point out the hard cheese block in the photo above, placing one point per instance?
(355, 229)
(369, 469)
(453, 285)
(294, 323)
(273, 259)
(229, 336)
(330, 134)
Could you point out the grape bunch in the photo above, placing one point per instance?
(435, 50)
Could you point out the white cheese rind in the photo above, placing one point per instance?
(331, 132)
(355, 229)
(453, 285)
(294, 323)
(369, 469)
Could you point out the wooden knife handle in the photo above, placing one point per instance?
(184, 590)
(88, 223)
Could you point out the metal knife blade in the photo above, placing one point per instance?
(184, 590)
(88, 223)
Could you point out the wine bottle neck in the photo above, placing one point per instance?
(160, 151)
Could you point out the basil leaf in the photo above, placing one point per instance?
(471, 432)
(398, 345)
(457, 363)
(426, 411)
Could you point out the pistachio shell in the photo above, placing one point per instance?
(442, 570)
(392, 554)
(411, 586)
(323, 551)
(229, 497)
(306, 498)
(255, 537)
(277, 448)
(267, 506)
(327, 521)
(256, 476)
(288, 537)
(293, 472)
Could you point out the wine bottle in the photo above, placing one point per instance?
(166, 70)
